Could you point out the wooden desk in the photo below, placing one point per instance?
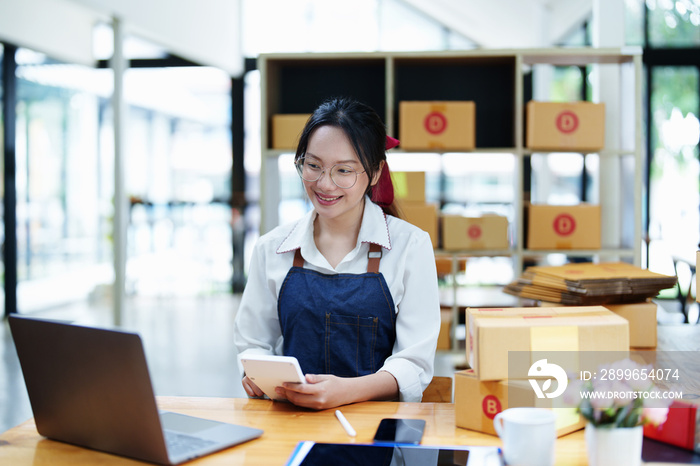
(284, 426)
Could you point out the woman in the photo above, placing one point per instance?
(350, 290)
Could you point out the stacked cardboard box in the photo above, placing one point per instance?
(553, 126)
(286, 129)
(641, 318)
(562, 226)
(444, 264)
(487, 232)
(409, 193)
(477, 403)
(590, 284)
(498, 379)
(429, 125)
(622, 288)
(445, 337)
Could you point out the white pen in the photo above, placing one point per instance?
(344, 422)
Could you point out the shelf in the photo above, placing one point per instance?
(477, 253)
(500, 83)
(579, 252)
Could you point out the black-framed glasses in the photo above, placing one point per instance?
(343, 176)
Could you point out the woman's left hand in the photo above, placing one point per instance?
(319, 392)
(329, 391)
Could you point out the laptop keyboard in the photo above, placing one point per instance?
(181, 444)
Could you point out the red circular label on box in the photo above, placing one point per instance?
(567, 122)
(474, 232)
(491, 406)
(435, 123)
(564, 224)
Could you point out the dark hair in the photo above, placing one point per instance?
(363, 127)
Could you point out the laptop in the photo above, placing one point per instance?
(91, 387)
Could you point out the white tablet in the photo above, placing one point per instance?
(268, 371)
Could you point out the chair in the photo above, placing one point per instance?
(438, 391)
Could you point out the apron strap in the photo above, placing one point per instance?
(298, 260)
(373, 257)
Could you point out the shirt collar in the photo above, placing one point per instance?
(374, 229)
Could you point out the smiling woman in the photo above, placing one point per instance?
(327, 289)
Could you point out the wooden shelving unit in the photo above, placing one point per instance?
(500, 83)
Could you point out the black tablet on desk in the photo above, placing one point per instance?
(341, 454)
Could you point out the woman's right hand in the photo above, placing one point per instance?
(251, 389)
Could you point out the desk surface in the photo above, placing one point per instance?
(285, 425)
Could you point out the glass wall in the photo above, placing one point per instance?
(673, 23)
(63, 214)
(674, 172)
(178, 165)
(178, 172)
(674, 134)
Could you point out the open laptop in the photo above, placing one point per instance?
(91, 387)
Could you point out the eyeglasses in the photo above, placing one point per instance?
(343, 176)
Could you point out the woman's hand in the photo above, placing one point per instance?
(319, 392)
(328, 391)
(251, 389)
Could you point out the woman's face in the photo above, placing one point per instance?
(330, 146)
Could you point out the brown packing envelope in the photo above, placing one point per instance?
(540, 293)
(583, 272)
(590, 284)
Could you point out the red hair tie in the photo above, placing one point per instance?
(383, 192)
(391, 143)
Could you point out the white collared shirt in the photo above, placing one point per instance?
(408, 266)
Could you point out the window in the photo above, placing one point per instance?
(63, 214)
(674, 170)
(674, 23)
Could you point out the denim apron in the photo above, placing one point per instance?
(340, 324)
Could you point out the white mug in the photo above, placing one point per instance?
(528, 436)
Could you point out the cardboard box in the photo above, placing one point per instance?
(286, 129)
(477, 403)
(587, 284)
(553, 126)
(474, 233)
(444, 338)
(409, 186)
(422, 215)
(493, 332)
(642, 322)
(563, 227)
(443, 264)
(641, 318)
(437, 125)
